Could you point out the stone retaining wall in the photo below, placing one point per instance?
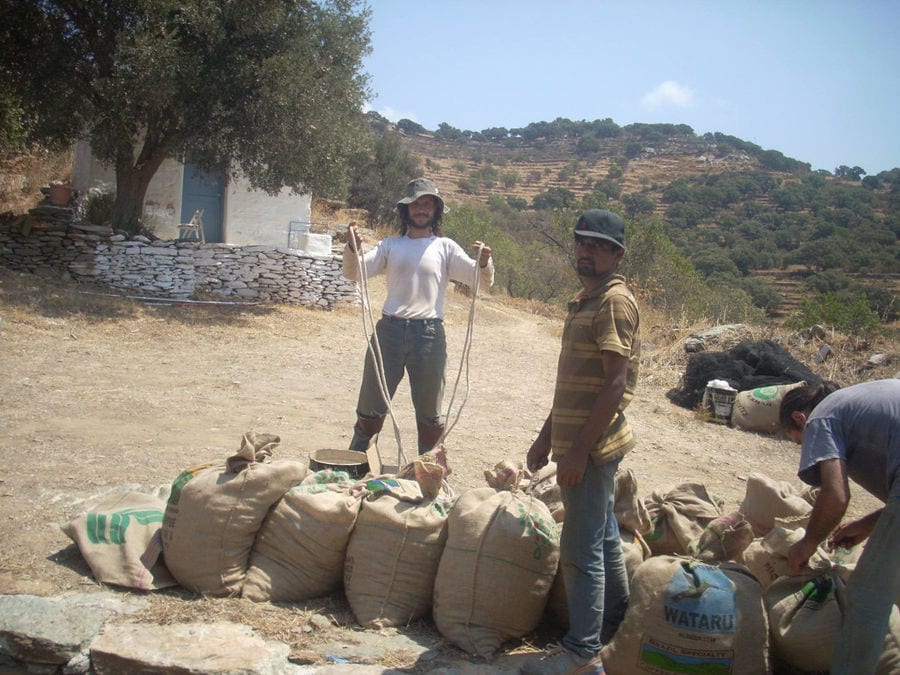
(51, 242)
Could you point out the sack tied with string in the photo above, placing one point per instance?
(767, 557)
(393, 555)
(300, 550)
(496, 570)
(678, 515)
(635, 551)
(767, 499)
(723, 539)
(215, 510)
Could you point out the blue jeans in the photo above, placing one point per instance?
(872, 590)
(417, 347)
(593, 565)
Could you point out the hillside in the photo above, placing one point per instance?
(729, 206)
(556, 165)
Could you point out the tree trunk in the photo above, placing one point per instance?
(131, 187)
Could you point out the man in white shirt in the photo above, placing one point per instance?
(419, 264)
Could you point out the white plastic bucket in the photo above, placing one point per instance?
(720, 403)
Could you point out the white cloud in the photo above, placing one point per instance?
(668, 94)
(390, 113)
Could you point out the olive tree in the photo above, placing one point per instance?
(379, 176)
(271, 89)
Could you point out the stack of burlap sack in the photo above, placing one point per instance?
(400, 546)
(710, 590)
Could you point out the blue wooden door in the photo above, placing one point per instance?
(203, 190)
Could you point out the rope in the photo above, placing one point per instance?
(375, 351)
(464, 358)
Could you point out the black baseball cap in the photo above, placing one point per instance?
(602, 224)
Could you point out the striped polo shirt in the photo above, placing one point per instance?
(605, 318)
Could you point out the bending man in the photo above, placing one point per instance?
(852, 433)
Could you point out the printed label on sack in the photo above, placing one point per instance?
(544, 535)
(700, 599)
(662, 658)
(766, 393)
(104, 528)
(182, 480)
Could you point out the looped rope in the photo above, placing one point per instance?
(464, 358)
(375, 351)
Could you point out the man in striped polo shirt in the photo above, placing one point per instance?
(588, 435)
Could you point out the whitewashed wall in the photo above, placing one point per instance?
(256, 218)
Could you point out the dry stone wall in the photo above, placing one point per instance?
(50, 242)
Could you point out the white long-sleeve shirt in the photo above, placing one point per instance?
(418, 272)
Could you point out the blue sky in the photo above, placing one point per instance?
(818, 80)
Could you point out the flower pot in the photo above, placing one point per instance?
(60, 194)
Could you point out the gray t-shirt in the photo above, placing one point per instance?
(859, 424)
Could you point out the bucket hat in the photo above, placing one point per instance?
(602, 224)
(420, 187)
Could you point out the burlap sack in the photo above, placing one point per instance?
(805, 615)
(767, 499)
(767, 557)
(686, 616)
(678, 515)
(496, 570)
(506, 475)
(392, 559)
(300, 550)
(120, 540)
(758, 409)
(635, 550)
(724, 538)
(542, 484)
(430, 470)
(215, 511)
(631, 513)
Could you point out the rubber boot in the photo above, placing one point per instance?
(429, 435)
(363, 431)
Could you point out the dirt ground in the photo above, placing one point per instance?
(98, 393)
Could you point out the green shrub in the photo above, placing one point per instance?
(853, 316)
(98, 207)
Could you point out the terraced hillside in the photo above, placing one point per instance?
(523, 171)
(537, 168)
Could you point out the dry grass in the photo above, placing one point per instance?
(23, 174)
(847, 363)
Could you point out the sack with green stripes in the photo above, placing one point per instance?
(120, 540)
